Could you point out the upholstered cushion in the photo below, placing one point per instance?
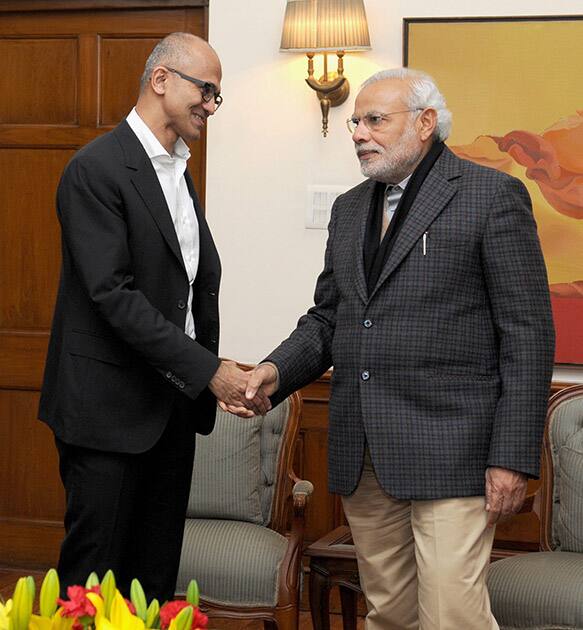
(570, 517)
(538, 591)
(212, 548)
(227, 471)
(566, 437)
(272, 428)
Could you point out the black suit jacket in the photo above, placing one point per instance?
(444, 366)
(118, 355)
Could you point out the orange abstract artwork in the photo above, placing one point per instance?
(531, 128)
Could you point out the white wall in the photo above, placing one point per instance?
(265, 148)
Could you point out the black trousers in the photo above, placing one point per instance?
(126, 512)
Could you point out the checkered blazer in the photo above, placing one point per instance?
(444, 369)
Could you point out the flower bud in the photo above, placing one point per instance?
(48, 594)
(192, 593)
(138, 599)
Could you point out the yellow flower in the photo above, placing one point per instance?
(120, 616)
(5, 614)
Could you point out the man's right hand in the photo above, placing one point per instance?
(262, 382)
(229, 385)
(264, 377)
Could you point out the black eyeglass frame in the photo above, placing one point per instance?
(208, 90)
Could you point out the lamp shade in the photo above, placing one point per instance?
(325, 25)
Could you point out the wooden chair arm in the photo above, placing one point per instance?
(301, 493)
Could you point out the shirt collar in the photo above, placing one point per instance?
(402, 184)
(149, 141)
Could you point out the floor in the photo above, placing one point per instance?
(8, 579)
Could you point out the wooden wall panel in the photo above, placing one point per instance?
(61, 78)
(29, 235)
(43, 80)
(30, 462)
(118, 58)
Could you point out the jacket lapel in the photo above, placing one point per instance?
(146, 182)
(362, 205)
(436, 192)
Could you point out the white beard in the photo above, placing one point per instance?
(396, 162)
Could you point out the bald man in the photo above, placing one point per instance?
(132, 372)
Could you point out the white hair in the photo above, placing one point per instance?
(423, 92)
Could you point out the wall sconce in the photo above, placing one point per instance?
(314, 26)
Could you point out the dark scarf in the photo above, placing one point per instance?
(375, 253)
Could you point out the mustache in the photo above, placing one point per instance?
(368, 148)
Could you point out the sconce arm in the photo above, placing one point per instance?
(328, 86)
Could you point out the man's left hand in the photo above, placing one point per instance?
(505, 493)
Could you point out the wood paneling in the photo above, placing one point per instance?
(118, 57)
(66, 68)
(43, 81)
(29, 236)
(30, 497)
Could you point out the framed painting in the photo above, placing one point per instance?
(513, 86)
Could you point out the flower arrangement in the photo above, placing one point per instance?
(97, 606)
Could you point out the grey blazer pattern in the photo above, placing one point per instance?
(444, 369)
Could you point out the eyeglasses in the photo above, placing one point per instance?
(208, 90)
(375, 122)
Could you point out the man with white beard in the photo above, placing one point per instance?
(433, 308)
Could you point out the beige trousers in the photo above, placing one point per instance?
(422, 564)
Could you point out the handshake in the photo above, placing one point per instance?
(244, 394)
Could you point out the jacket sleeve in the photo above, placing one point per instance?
(95, 232)
(307, 352)
(518, 292)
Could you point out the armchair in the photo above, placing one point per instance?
(237, 540)
(544, 590)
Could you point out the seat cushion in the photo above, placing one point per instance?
(233, 562)
(227, 471)
(538, 591)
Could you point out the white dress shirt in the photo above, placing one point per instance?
(170, 171)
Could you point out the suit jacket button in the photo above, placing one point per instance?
(181, 385)
(212, 293)
(365, 375)
(181, 304)
(168, 374)
(367, 323)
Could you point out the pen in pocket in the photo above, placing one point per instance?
(425, 243)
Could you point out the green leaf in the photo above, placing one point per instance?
(48, 594)
(138, 598)
(192, 593)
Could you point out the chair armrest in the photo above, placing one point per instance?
(301, 492)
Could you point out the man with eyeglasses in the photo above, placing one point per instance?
(433, 309)
(132, 372)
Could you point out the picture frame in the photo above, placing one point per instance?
(512, 84)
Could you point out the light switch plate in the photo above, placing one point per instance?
(320, 201)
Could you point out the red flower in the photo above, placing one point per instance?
(78, 604)
(171, 609)
(199, 619)
(130, 606)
